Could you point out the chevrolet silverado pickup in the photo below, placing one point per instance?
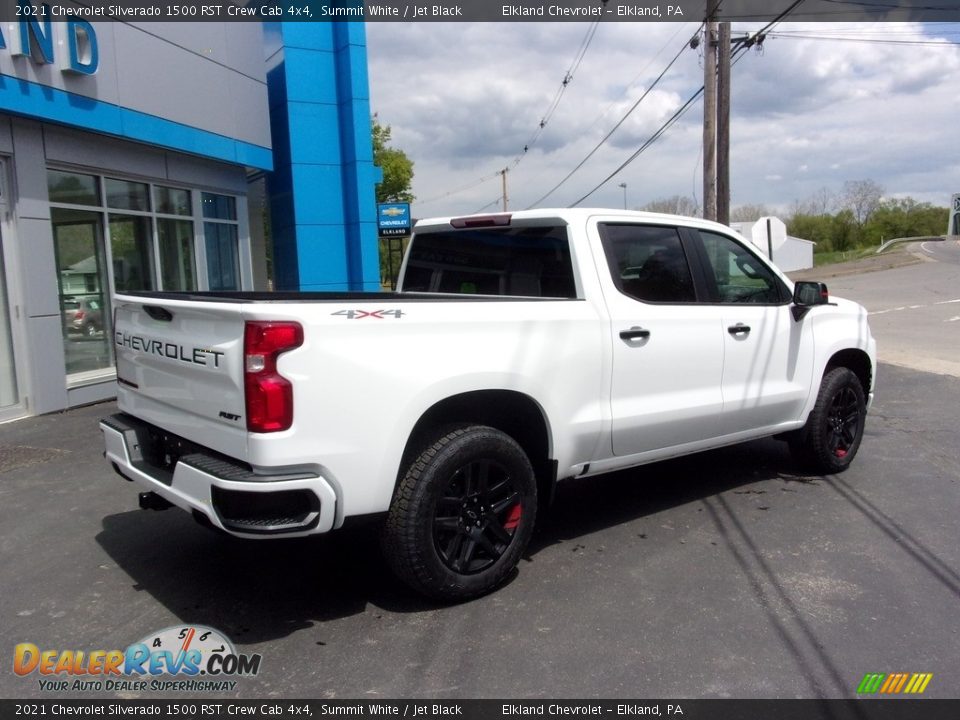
(520, 350)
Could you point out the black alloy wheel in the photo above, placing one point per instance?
(476, 517)
(831, 437)
(462, 513)
(843, 423)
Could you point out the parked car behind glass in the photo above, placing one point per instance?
(82, 315)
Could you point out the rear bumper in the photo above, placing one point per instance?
(286, 503)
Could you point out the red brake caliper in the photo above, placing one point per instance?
(513, 519)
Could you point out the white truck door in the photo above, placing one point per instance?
(768, 355)
(667, 353)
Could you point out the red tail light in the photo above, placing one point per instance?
(269, 395)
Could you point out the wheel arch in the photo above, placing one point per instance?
(856, 360)
(514, 413)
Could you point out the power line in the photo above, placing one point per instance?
(742, 46)
(873, 41)
(649, 141)
(619, 123)
(551, 109)
(464, 188)
(555, 103)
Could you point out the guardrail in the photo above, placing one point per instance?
(919, 238)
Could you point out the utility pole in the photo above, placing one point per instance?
(624, 186)
(723, 124)
(503, 175)
(710, 113)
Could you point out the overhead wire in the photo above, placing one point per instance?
(544, 120)
(737, 56)
(620, 122)
(872, 41)
(555, 103)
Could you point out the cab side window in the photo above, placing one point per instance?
(647, 262)
(738, 275)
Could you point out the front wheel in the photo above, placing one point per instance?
(462, 514)
(830, 439)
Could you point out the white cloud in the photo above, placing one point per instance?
(463, 99)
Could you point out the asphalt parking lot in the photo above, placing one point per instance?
(727, 574)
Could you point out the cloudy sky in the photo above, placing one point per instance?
(878, 102)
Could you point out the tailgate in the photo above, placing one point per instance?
(180, 367)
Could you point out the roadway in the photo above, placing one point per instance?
(914, 310)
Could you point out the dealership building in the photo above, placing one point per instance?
(166, 157)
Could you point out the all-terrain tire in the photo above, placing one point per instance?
(462, 514)
(831, 437)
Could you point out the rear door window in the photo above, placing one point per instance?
(648, 262)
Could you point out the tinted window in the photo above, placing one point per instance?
(521, 262)
(647, 262)
(739, 275)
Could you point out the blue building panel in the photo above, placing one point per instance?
(316, 132)
(322, 191)
(319, 88)
(323, 255)
(318, 195)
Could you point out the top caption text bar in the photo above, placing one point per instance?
(480, 11)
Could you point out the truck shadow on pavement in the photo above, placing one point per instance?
(258, 591)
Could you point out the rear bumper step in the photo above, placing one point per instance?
(174, 471)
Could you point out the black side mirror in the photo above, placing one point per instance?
(807, 295)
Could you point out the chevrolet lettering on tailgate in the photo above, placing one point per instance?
(174, 351)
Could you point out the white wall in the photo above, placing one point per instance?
(789, 253)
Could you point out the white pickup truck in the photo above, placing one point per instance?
(521, 350)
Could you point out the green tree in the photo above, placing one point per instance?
(862, 198)
(845, 233)
(905, 217)
(395, 187)
(397, 167)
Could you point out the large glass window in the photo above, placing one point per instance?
(73, 188)
(140, 237)
(125, 195)
(131, 245)
(222, 241)
(223, 256)
(173, 201)
(177, 264)
(219, 207)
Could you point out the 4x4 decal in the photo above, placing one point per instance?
(360, 314)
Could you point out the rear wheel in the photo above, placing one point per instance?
(462, 514)
(830, 439)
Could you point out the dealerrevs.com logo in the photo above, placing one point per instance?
(181, 658)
